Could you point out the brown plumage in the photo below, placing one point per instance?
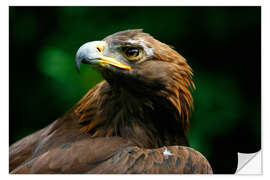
(133, 122)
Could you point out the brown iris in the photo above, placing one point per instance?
(132, 53)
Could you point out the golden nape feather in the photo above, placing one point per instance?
(135, 121)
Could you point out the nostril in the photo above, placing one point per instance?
(99, 49)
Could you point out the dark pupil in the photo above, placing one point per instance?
(132, 52)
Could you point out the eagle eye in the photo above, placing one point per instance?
(132, 53)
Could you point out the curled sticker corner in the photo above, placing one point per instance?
(249, 163)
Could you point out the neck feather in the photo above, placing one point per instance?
(151, 122)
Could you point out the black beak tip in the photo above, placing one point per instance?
(78, 69)
(78, 64)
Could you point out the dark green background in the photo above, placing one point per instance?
(222, 45)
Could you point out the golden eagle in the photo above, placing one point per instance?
(135, 121)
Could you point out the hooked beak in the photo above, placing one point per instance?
(92, 53)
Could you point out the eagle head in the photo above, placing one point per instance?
(148, 79)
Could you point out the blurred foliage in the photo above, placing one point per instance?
(222, 45)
